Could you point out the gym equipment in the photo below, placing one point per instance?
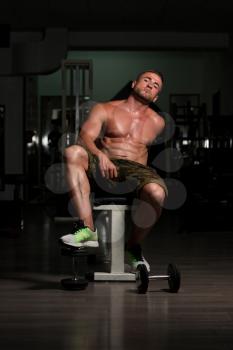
(79, 264)
(115, 222)
(173, 277)
(80, 278)
(2, 147)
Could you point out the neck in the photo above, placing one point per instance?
(136, 105)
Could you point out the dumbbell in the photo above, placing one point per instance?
(142, 278)
(79, 264)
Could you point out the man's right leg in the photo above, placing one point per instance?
(76, 167)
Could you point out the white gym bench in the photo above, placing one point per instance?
(116, 227)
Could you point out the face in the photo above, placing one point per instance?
(147, 87)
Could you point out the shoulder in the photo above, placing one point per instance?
(98, 110)
(157, 118)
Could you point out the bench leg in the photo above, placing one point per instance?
(117, 228)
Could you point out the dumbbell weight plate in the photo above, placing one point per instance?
(173, 278)
(142, 279)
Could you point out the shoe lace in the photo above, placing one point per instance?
(82, 232)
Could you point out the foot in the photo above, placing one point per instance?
(82, 236)
(135, 258)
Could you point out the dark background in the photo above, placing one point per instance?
(36, 37)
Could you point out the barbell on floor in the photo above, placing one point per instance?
(173, 277)
(81, 278)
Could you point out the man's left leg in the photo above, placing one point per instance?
(147, 212)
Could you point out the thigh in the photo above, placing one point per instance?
(141, 175)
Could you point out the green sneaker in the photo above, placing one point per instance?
(82, 236)
(134, 258)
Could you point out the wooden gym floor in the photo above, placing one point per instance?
(35, 313)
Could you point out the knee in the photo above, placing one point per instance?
(155, 192)
(74, 153)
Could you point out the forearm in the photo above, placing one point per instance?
(89, 143)
(107, 168)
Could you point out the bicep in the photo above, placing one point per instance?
(94, 123)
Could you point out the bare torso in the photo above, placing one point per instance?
(127, 134)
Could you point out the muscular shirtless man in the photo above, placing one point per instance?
(128, 127)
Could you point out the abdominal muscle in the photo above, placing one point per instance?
(124, 148)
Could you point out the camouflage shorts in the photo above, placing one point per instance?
(132, 176)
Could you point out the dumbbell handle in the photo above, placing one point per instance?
(159, 277)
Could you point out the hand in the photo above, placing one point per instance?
(107, 168)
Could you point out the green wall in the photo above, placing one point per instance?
(184, 71)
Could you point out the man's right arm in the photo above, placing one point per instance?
(90, 131)
(91, 128)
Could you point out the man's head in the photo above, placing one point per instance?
(148, 85)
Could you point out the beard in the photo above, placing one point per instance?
(143, 96)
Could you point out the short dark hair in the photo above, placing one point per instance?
(152, 71)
